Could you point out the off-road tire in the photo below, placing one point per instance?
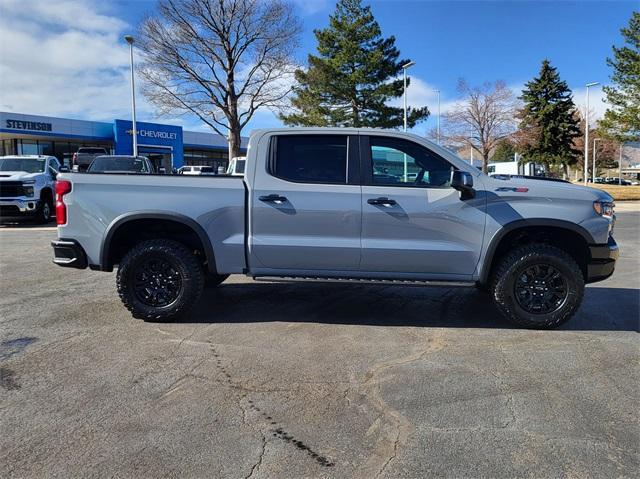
(213, 280)
(182, 261)
(509, 269)
(45, 210)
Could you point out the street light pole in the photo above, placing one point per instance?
(593, 170)
(404, 76)
(620, 166)
(586, 133)
(134, 130)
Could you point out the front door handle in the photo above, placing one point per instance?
(273, 199)
(382, 201)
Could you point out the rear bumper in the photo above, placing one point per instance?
(603, 261)
(69, 254)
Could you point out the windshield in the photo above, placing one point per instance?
(118, 163)
(30, 165)
(240, 166)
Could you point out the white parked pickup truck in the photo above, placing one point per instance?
(26, 187)
(349, 204)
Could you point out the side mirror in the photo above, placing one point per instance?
(463, 182)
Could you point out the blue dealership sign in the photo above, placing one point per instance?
(152, 138)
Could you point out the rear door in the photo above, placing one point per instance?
(306, 204)
(413, 221)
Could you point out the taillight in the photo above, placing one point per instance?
(62, 188)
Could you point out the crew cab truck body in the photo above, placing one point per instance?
(340, 203)
(27, 183)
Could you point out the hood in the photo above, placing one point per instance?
(18, 175)
(545, 188)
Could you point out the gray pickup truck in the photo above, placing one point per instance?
(340, 204)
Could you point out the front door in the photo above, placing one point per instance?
(305, 208)
(413, 221)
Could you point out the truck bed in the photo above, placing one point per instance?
(99, 202)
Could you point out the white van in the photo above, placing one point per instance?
(196, 170)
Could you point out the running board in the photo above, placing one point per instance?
(405, 282)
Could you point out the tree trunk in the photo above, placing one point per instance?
(232, 117)
(485, 164)
(234, 140)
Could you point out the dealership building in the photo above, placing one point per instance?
(168, 146)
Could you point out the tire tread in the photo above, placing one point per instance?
(507, 266)
(193, 288)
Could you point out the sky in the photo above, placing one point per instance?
(67, 57)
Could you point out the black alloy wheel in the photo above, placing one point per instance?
(537, 286)
(160, 280)
(156, 282)
(541, 289)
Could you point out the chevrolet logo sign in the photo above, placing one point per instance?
(129, 132)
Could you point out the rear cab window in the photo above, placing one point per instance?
(310, 158)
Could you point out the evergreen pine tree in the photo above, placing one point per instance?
(353, 77)
(505, 150)
(548, 121)
(622, 120)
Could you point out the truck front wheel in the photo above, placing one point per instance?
(537, 286)
(45, 209)
(159, 280)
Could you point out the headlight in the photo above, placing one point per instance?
(604, 208)
(28, 190)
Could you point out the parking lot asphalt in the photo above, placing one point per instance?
(311, 380)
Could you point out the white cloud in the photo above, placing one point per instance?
(67, 58)
(62, 58)
(597, 105)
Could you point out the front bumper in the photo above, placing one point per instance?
(69, 254)
(603, 261)
(18, 206)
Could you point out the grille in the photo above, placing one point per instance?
(9, 210)
(9, 189)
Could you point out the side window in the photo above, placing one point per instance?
(310, 158)
(398, 162)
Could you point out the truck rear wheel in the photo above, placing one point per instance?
(159, 280)
(537, 286)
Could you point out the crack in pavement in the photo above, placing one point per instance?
(394, 428)
(256, 466)
(242, 391)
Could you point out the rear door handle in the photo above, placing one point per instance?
(382, 201)
(273, 198)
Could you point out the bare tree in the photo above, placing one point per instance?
(221, 60)
(482, 117)
(606, 147)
